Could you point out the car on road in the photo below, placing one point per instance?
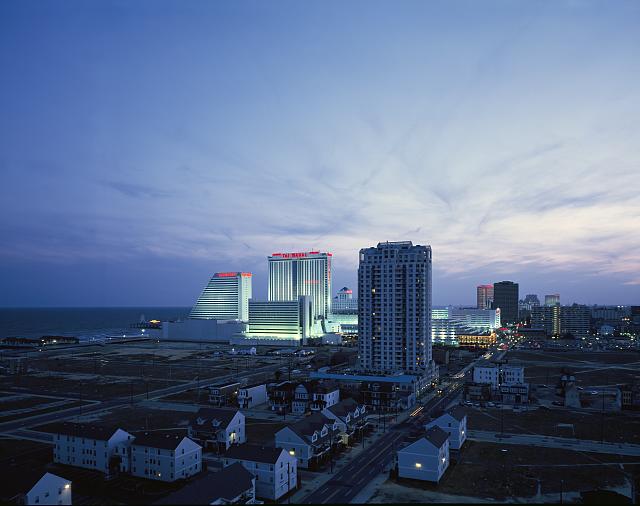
(557, 403)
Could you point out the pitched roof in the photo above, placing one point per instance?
(99, 432)
(227, 484)
(314, 422)
(458, 412)
(20, 479)
(254, 453)
(343, 407)
(436, 436)
(224, 416)
(165, 440)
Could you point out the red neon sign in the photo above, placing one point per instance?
(298, 255)
(226, 274)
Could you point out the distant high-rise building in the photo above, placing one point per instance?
(559, 320)
(292, 275)
(394, 308)
(484, 294)
(575, 320)
(552, 300)
(546, 317)
(505, 297)
(344, 303)
(226, 297)
(526, 306)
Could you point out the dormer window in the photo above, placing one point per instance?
(215, 423)
(314, 437)
(200, 421)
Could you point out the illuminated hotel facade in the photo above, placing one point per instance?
(394, 308)
(226, 297)
(292, 275)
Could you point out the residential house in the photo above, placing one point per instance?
(90, 446)
(324, 395)
(274, 469)
(477, 391)
(165, 456)
(386, 396)
(454, 423)
(252, 395)
(225, 394)
(218, 428)
(232, 485)
(425, 459)
(349, 416)
(26, 485)
(311, 440)
(281, 396)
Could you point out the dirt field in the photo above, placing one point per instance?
(485, 471)
(618, 427)
(87, 386)
(136, 418)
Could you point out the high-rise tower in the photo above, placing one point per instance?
(394, 308)
(292, 275)
(484, 295)
(505, 297)
(226, 297)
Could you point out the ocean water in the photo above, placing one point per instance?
(84, 323)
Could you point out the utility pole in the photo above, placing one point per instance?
(561, 486)
(131, 385)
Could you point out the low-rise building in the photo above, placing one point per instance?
(218, 428)
(477, 391)
(232, 485)
(454, 423)
(630, 396)
(252, 395)
(350, 417)
(28, 486)
(225, 394)
(427, 458)
(314, 396)
(281, 396)
(310, 440)
(274, 469)
(165, 456)
(514, 393)
(91, 447)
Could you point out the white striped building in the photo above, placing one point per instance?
(226, 297)
(292, 275)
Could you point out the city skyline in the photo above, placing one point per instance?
(145, 147)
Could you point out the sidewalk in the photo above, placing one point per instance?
(321, 477)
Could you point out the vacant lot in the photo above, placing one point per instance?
(487, 471)
(618, 427)
(87, 386)
(135, 418)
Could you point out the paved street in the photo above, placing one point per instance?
(347, 483)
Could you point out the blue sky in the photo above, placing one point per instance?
(145, 145)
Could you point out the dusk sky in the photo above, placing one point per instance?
(145, 145)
